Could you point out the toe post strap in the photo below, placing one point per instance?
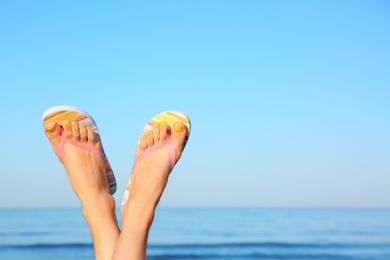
(65, 140)
(156, 147)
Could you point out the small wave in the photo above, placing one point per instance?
(249, 256)
(274, 245)
(24, 233)
(48, 246)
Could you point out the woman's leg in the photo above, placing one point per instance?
(86, 173)
(149, 178)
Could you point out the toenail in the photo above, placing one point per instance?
(163, 124)
(66, 123)
(81, 126)
(88, 128)
(178, 128)
(51, 129)
(156, 125)
(143, 137)
(74, 123)
(150, 133)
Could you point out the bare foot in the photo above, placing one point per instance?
(82, 157)
(85, 169)
(158, 151)
(150, 174)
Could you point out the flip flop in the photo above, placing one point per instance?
(169, 117)
(60, 113)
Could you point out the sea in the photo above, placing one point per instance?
(209, 233)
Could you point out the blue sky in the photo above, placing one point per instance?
(289, 100)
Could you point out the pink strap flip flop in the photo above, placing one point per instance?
(60, 113)
(169, 117)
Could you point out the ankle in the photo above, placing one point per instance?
(138, 215)
(97, 203)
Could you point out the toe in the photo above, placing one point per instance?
(150, 139)
(93, 137)
(75, 131)
(53, 133)
(67, 128)
(142, 143)
(156, 133)
(51, 128)
(179, 132)
(163, 131)
(83, 133)
(142, 146)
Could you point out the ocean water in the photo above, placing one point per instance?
(195, 233)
